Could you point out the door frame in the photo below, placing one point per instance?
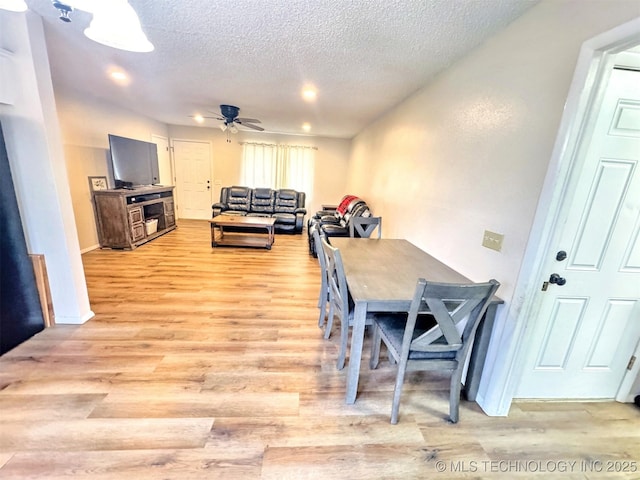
(594, 65)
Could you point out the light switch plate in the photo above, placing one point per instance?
(492, 240)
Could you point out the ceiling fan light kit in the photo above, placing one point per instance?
(230, 120)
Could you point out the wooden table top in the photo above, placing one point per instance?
(387, 270)
(242, 220)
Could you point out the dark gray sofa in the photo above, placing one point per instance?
(336, 223)
(285, 205)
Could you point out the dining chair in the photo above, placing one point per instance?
(341, 304)
(323, 299)
(427, 345)
(364, 227)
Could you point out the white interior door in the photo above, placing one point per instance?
(192, 161)
(587, 328)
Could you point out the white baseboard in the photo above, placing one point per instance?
(88, 249)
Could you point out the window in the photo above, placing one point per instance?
(278, 166)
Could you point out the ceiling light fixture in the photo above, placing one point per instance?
(119, 76)
(13, 5)
(198, 118)
(229, 128)
(306, 126)
(309, 93)
(114, 24)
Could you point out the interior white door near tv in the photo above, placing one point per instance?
(192, 161)
(586, 330)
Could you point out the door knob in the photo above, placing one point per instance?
(557, 279)
(561, 255)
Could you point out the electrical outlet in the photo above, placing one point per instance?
(492, 240)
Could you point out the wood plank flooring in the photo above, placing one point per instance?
(208, 363)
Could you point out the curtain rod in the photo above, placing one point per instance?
(276, 145)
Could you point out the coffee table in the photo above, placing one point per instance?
(242, 231)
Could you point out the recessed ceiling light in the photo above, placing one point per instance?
(306, 126)
(198, 118)
(309, 93)
(119, 76)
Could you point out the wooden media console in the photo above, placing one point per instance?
(121, 215)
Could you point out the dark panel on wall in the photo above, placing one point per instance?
(20, 310)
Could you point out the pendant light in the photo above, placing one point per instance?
(13, 5)
(116, 25)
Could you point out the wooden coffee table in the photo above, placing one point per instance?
(242, 231)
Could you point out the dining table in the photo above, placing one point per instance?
(381, 276)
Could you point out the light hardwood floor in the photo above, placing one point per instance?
(208, 363)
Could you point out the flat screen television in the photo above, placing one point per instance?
(135, 163)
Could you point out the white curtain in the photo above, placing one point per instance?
(259, 165)
(278, 166)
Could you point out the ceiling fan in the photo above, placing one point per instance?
(230, 120)
(230, 117)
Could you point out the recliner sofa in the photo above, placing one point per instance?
(336, 223)
(285, 205)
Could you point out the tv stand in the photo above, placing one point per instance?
(121, 215)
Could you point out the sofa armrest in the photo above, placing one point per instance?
(218, 208)
(300, 213)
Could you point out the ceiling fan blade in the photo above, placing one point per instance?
(249, 125)
(217, 116)
(250, 120)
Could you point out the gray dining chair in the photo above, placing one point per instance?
(341, 304)
(323, 298)
(439, 341)
(364, 227)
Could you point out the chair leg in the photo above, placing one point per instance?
(376, 341)
(322, 305)
(454, 395)
(344, 340)
(395, 407)
(322, 317)
(329, 326)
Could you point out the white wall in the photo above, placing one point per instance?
(85, 124)
(37, 165)
(330, 171)
(86, 150)
(470, 150)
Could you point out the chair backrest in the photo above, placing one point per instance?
(338, 293)
(263, 200)
(238, 198)
(288, 200)
(322, 257)
(364, 227)
(457, 308)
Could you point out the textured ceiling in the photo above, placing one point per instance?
(363, 56)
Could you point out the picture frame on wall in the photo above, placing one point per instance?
(98, 183)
